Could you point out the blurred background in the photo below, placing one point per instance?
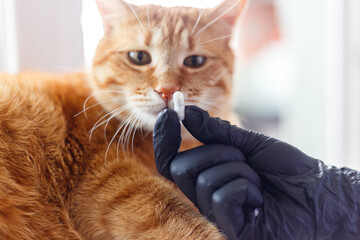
(297, 72)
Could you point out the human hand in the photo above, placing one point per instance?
(236, 171)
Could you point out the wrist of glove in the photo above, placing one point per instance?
(254, 186)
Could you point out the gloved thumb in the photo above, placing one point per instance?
(166, 141)
(214, 130)
(256, 147)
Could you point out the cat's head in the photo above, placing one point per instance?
(149, 52)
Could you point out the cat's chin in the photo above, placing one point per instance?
(147, 120)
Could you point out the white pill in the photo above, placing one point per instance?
(256, 212)
(179, 105)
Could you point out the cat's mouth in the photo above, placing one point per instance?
(155, 112)
(156, 109)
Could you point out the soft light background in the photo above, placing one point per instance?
(300, 82)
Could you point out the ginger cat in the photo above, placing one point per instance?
(70, 173)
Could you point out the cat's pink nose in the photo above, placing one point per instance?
(166, 92)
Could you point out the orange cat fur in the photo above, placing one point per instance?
(57, 181)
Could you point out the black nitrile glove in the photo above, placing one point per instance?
(256, 187)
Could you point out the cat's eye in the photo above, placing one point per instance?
(195, 61)
(139, 57)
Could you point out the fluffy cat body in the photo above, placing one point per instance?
(57, 181)
(53, 179)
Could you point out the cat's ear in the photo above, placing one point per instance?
(112, 10)
(229, 11)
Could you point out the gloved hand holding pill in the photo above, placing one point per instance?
(254, 186)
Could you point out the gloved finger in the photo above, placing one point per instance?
(213, 178)
(187, 165)
(214, 130)
(229, 203)
(166, 141)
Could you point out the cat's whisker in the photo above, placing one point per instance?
(135, 128)
(114, 112)
(128, 132)
(216, 39)
(204, 106)
(92, 106)
(121, 110)
(204, 103)
(131, 136)
(124, 134)
(131, 129)
(214, 106)
(211, 99)
(211, 105)
(95, 93)
(109, 119)
(201, 12)
(216, 19)
(148, 16)
(200, 105)
(109, 145)
(137, 17)
(101, 113)
(96, 124)
(139, 121)
(123, 126)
